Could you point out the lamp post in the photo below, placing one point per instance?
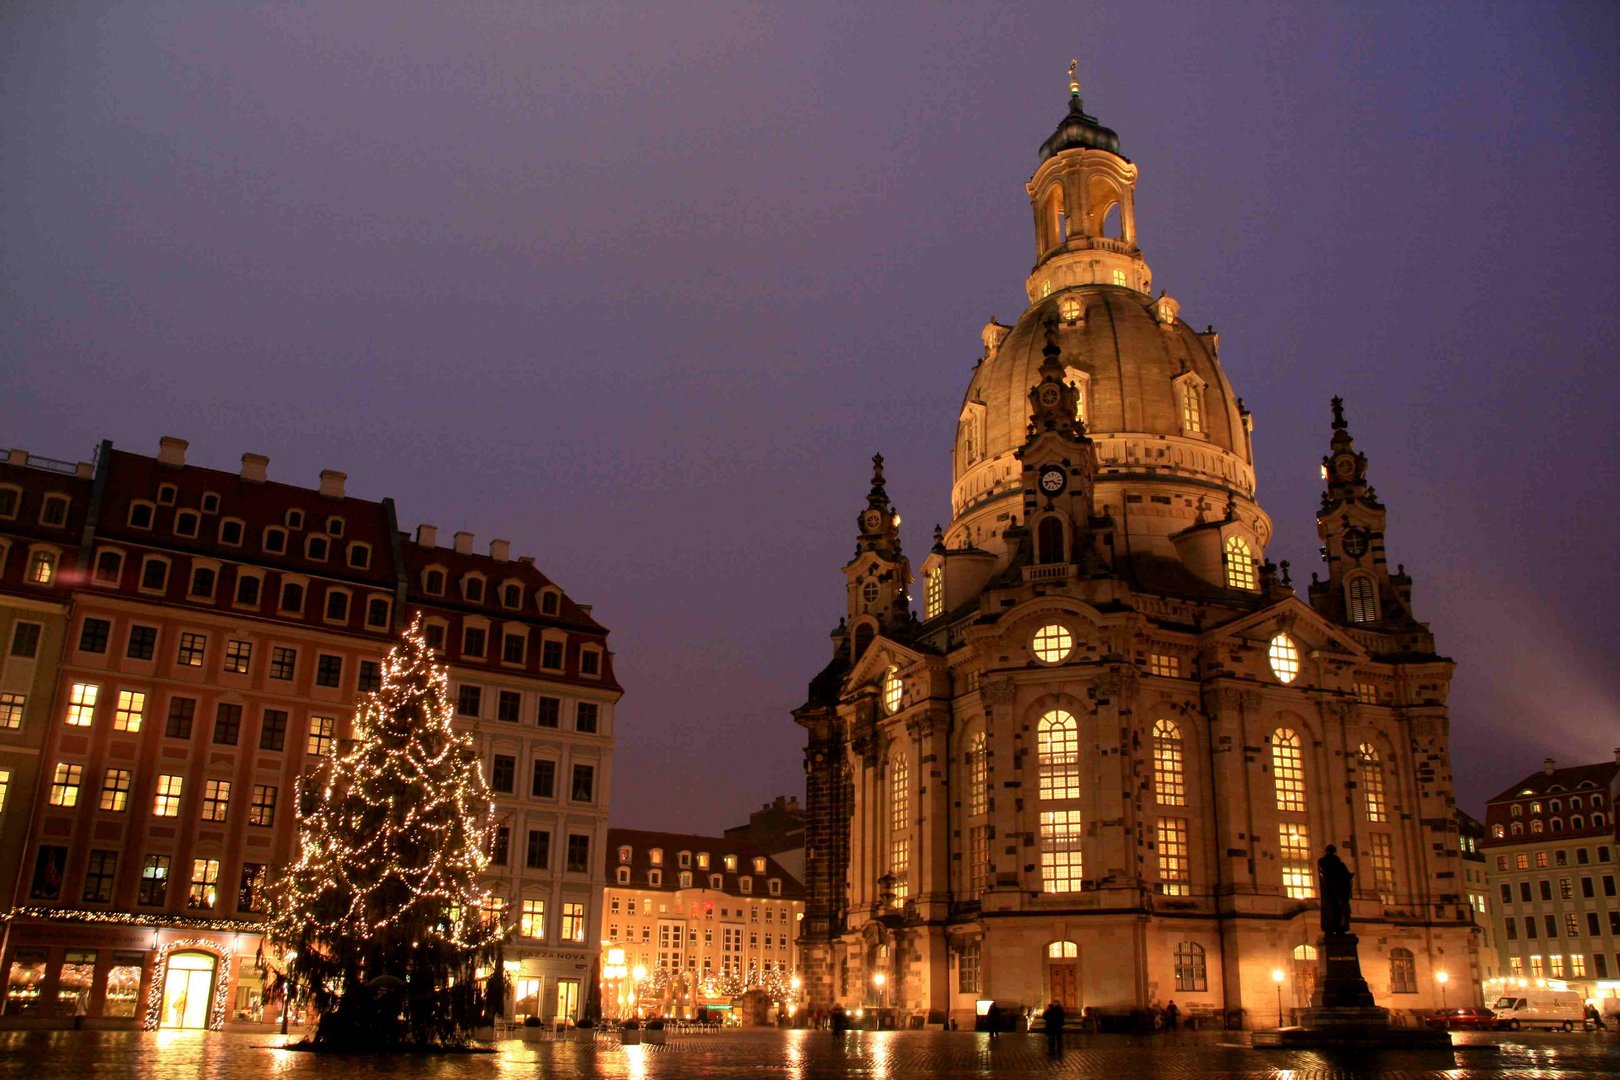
(1277, 977)
(1442, 978)
(638, 974)
(878, 981)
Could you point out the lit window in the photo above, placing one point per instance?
(1191, 971)
(900, 825)
(1240, 564)
(1058, 750)
(216, 799)
(82, 704)
(1366, 693)
(42, 567)
(238, 654)
(115, 790)
(893, 688)
(978, 764)
(1284, 656)
(1162, 664)
(204, 883)
(65, 784)
(131, 710)
(1287, 770)
(532, 919)
(1294, 847)
(1070, 310)
(573, 922)
(262, 809)
(1063, 950)
(1061, 856)
(1053, 643)
(1383, 866)
(1046, 288)
(934, 594)
(979, 859)
(1174, 877)
(1119, 277)
(166, 802)
(1363, 600)
(1372, 783)
(190, 653)
(11, 710)
(1168, 780)
(1192, 406)
(321, 733)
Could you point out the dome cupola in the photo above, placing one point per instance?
(1079, 130)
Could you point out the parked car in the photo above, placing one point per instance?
(1541, 1008)
(1462, 1019)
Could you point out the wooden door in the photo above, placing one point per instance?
(1065, 978)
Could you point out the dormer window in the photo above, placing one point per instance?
(109, 567)
(776, 887)
(186, 523)
(230, 532)
(703, 860)
(10, 499)
(210, 502)
(275, 540)
(360, 556)
(746, 884)
(472, 587)
(550, 602)
(731, 864)
(655, 878)
(759, 864)
(624, 853)
(1189, 390)
(140, 515)
(165, 494)
(41, 567)
(685, 879)
(656, 856)
(334, 526)
(295, 519)
(433, 582)
(1070, 310)
(1240, 573)
(716, 881)
(512, 595)
(317, 547)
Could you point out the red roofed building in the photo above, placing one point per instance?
(205, 636)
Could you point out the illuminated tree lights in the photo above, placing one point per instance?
(381, 913)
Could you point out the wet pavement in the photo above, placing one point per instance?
(806, 1055)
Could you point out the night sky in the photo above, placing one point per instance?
(641, 289)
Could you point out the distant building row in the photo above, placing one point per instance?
(178, 646)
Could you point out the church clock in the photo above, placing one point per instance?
(1052, 479)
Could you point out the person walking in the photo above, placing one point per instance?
(992, 1019)
(1172, 1015)
(1053, 1016)
(838, 1020)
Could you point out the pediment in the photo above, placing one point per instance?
(1298, 619)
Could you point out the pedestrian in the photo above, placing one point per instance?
(992, 1019)
(1595, 1018)
(950, 1024)
(80, 1011)
(838, 1020)
(1172, 1015)
(1053, 1016)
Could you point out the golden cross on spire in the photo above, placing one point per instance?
(1074, 82)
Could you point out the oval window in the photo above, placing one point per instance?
(1284, 658)
(892, 689)
(1053, 643)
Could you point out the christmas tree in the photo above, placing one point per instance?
(382, 912)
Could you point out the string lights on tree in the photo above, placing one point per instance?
(382, 911)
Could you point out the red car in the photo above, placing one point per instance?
(1470, 1018)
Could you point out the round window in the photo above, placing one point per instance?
(1053, 643)
(1070, 309)
(869, 592)
(1284, 658)
(892, 689)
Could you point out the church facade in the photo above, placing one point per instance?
(1102, 764)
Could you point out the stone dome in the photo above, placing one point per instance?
(1135, 362)
(1079, 130)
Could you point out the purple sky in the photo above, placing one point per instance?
(642, 289)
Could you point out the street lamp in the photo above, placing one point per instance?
(878, 981)
(1442, 978)
(637, 975)
(1277, 977)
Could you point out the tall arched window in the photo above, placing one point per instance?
(1192, 406)
(1402, 972)
(900, 825)
(1058, 747)
(978, 802)
(1169, 783)
(1239, 564)
(978, 781)
(1191, 972)
(1372, 784)
(1363, 600)
(1287, 770)
(1049, 540)
(1058, 754)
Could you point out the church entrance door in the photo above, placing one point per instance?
(1065, 978)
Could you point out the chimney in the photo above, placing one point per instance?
(586, 608)
(500, 550)
(464, 543)
(427, 536)
(332, 483)
(528, 560)
(253, 467)
(1548, 765)
(172, 451)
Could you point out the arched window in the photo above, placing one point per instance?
(1192, 405)
(1049, 541)
(1557, 824)
(1372, 783)
(978, 780)
(1535, 826)
(1239, 564)
(1287, 770)
(934, 593)
(1518, 828)
(1363, 600)
(1402, 972)
(1516, 810)
(1058, 748)
(1576, 823)
(1598, 820)
(1191, 973)
(1169, 782)
(1497, 832)
(900, 825)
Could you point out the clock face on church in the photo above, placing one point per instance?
(1049, 396)
(872, 519)
(1052, 479)
(1355, 543)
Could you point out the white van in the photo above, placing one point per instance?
(1541, 1008)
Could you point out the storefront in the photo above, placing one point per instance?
(548, 983)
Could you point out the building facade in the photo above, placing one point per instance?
(217, 630)
(1100, 767)
(1477, 881)
(1550, 853)
(695, 922)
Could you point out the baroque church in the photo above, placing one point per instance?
(1102, 765)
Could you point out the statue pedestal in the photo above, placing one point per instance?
(1342, 1012)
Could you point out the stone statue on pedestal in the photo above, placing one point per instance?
(1333, 884)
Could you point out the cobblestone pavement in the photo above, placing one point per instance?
(806, 1055)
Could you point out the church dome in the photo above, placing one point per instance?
(1079, 130)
